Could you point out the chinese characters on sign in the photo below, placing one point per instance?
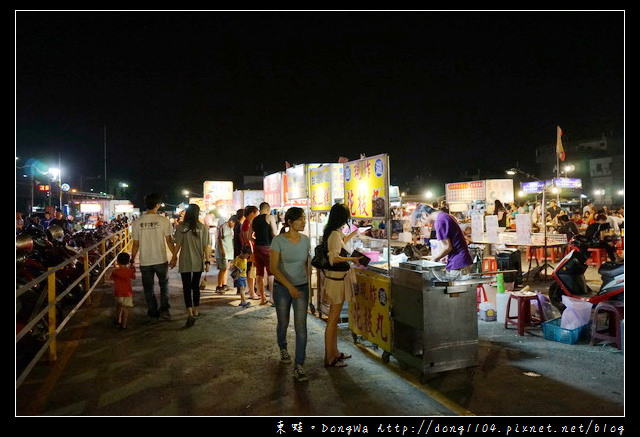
(369, 311)
(366, 187)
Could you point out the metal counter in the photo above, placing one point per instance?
(435, 323)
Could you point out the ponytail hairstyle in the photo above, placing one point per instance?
(292, 214)
(339, 215)
(191, 215)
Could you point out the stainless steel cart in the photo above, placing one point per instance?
(435, 323)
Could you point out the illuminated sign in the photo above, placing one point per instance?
(272, 185)
(89, 208)
(218, 195)
(366, 187)
(44, 187)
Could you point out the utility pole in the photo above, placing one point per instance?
(106, 184)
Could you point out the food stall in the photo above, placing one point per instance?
(366, 192)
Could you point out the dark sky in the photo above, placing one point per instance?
(213, 95)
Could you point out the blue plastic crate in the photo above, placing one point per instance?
(552, 331)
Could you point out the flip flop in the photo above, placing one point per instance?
(344, 356)
(336, 363)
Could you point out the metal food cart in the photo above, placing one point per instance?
(435, 323)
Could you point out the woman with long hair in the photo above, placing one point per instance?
(338, 283)
(193, 244)
(289, 264)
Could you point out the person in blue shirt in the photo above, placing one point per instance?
(288, 262)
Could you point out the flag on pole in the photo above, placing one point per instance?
(559, 148)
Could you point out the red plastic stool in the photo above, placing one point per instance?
(489, 264)
(614, 312)
(596, 257)
(524, 318)
(481, 296)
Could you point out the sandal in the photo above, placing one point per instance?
(337, 362)
(344, 356)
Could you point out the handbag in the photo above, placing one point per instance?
(320, 259)
(235, 272)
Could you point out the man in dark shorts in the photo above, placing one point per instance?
(264, 229)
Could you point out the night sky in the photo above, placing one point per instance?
(215, 95)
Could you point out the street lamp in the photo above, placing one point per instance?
(188, 193)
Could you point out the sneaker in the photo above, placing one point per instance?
(284, 356)
(190, 321)
(298, 373)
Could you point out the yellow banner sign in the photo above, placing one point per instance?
(366, 187)
(320, 188)
(369, 311)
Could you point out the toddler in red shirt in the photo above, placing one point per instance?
(122, 289)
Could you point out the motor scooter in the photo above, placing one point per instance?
(569, 277)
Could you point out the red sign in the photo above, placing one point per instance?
(44, 187)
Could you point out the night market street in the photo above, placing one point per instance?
(228, 365)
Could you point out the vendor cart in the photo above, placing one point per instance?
(370, 309)
(435, 323)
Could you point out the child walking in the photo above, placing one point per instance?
(240, 282)
(122, 289)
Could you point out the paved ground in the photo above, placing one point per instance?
(228, 365)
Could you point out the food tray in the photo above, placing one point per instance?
(552, 331)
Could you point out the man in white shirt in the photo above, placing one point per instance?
(151, 235)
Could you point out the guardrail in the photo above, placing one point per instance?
(121, 241)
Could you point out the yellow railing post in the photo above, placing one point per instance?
(103, 263)
(87, 277)
(51, 292)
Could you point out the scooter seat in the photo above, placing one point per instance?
(611, 269)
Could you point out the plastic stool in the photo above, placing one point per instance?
(489, 264)
(596, 256)
(481, 296)
(612, 333)
(524, 318)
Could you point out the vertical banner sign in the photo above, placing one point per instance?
(320, 188)
(218, 195)
(369, 311)
(273, 190)
(366, 187)
(297, 182)
(337, 185)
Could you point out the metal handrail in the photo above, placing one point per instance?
(124, 243)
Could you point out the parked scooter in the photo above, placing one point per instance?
(569, 277)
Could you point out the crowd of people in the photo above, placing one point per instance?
(266, 257)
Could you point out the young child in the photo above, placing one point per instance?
(122, 276)
(241, 280)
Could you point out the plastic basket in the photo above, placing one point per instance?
(552, 331)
